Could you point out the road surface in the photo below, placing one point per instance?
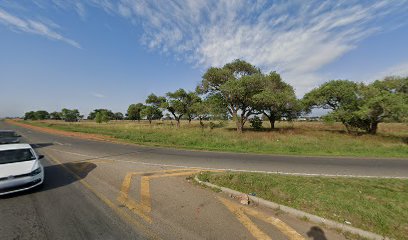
(102, 190)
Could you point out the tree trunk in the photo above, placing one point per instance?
(150, 121)
(373, 128)
(272, 122)
(178, 122)
(201, 122)
(347, 127)
(240, 124)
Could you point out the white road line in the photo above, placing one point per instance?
(231, 169)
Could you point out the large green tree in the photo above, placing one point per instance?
(151, 112)
(190, 101)
(110, 115)
(36, 115)
(133, 111)
(30, 115)
(70, 115)
(382, 100)
(362, 106)
(340, 96)
(178, 103)
(236, 82)
(118, 116)
(42, 115)
(55, 115)
(277, 99)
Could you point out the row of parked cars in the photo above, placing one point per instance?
(20, 168)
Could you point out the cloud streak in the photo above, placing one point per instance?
(400, 70)
(97, 95)
(34, 27)
(297, 38)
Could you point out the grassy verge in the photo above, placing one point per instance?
(376, 205)
(291, 139)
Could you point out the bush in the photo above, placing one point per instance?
(256, 122)
(102, 117)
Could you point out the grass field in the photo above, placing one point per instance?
(297, 138)
(376, 205)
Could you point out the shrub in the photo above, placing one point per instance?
(256, 122)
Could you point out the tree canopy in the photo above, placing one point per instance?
(151, 112)
(133, 111)
(362, 106)
(236, 82)
(109, 114)
(70, 115)
(277, 99)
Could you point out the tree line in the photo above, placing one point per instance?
(241, 91)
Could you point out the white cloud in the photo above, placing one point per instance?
(97, 95)
(35, 27)
(400, 70)
(297, 38)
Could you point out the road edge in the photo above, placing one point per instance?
(298, 213)
(106, 138)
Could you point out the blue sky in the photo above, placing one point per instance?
(90, 54)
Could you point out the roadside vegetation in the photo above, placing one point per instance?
(376, 205)
(239, 96)
(292, 138)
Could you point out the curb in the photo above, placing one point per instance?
(298, 213)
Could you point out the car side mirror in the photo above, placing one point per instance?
(40, 156)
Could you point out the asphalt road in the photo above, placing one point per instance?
(379, 167)
(60, 209)
(102, 190)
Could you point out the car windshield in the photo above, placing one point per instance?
(7, 134)
(17, 155)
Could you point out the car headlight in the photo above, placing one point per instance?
(36, 172)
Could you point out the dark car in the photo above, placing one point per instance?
(9, 136)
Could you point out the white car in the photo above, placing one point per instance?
(20, 168)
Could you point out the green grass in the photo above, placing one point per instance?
(306, 138)
(376, 205)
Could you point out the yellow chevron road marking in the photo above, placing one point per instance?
(144, 208)
(239, 211)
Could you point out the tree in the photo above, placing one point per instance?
(362, 106)
(190, 105)
(42, 115)
(236, 82)
(277, 99)
(109, 114)
(36, 115)
(70, 115)
(341, 96)
(211, 107)
(178, 103)
(30, 116)
(55, 115)
(380, 101)
(118, 116)
(151, 113)
(202, 110)
(98, 117)
(133, 112)
(102, 116)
